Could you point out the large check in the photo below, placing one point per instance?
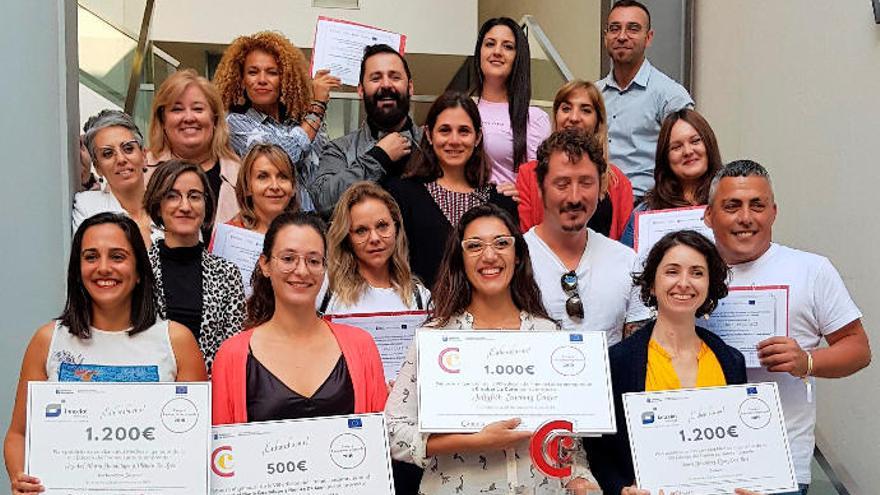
(749, 315)
(99, 438)
(467, 379)
(337, 455)
(710, 441)
(651, 226)
(393, 333)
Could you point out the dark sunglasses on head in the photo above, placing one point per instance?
(573, 305)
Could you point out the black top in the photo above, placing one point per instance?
(609, 455)
(427, 228)
(269, 399)
(182, 281)
(601, 219)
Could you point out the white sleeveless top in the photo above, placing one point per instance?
(112, 356)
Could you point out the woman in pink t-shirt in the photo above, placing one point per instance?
(512, 130)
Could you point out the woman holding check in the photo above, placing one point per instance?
(684, 277)
(108, 331)
(290, 363)
(485, 282)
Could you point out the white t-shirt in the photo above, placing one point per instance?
(604, 283)
(818, 305)
(112, 356)
(374, 300)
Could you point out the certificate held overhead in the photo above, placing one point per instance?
(339, 47)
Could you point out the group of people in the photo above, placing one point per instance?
(489, 215)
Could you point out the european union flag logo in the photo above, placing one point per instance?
(355, 423)
(751, 302)
(752, 390)
(180, 389)
(575, 337)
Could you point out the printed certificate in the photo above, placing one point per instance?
(651, 226)
(710, 440)
(339, 46)
(335, 455)
(468, 379)
(240, 246)
(100, 438)
(749, 315)
(392, 331)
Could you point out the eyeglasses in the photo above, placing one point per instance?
(174, 197)
(361, 234)
(475, 246)
(127, 148)
(632, 29)
(288, 262)
(573, 306)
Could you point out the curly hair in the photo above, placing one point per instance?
(296, 87)
(345, 279)
(717, 268)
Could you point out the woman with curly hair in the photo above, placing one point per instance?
(265, 86)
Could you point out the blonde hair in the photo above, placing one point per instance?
(346, 282)
(601, 133)
(296, 85)
(168, 93)
(278, 157)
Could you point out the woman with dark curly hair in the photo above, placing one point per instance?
(684, 277)
(687, 158)
(485, 282)
(265, 86)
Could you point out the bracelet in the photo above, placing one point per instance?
(809, 364)
(319, 103)
(313, 120)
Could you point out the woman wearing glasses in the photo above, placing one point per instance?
(369, 257)
(683, 279)
(290, 363)
(116, 147)
(446, 177)
(485, 282)
(193, 287)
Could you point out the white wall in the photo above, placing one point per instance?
(794, 85)
(38, 139)
(431, 26)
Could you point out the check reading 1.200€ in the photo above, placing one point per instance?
(468, 379)
(98, 438)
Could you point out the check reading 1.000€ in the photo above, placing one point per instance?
(468, 379)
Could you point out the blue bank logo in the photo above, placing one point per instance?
(53, 410)
(648, 417)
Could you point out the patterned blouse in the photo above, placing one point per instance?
(453, 204)
(466, 473)
(253, 127)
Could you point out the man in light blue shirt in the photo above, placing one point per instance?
(637, 96)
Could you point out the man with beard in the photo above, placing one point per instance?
(637, 96)
(382, 145)
(585, 278)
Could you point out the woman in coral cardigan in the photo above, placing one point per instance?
(291, 364)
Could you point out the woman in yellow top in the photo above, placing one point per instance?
(684, 277)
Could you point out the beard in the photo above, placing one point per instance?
(388, 117)
(573, 227)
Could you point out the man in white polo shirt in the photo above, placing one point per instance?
(585, 278)
(741, 213)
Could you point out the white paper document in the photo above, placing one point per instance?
(651, 226)
(749, 315)
(339, 46)
(240, 246)
(393, 333)
(330, 456)
(710, 441)
(121, 438)
(468, 379)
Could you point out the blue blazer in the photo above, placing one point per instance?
(609, 455)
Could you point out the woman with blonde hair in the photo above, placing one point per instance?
(368, 256)
(188, 123)
(266, 188)
(265, 86)
(578, 104)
